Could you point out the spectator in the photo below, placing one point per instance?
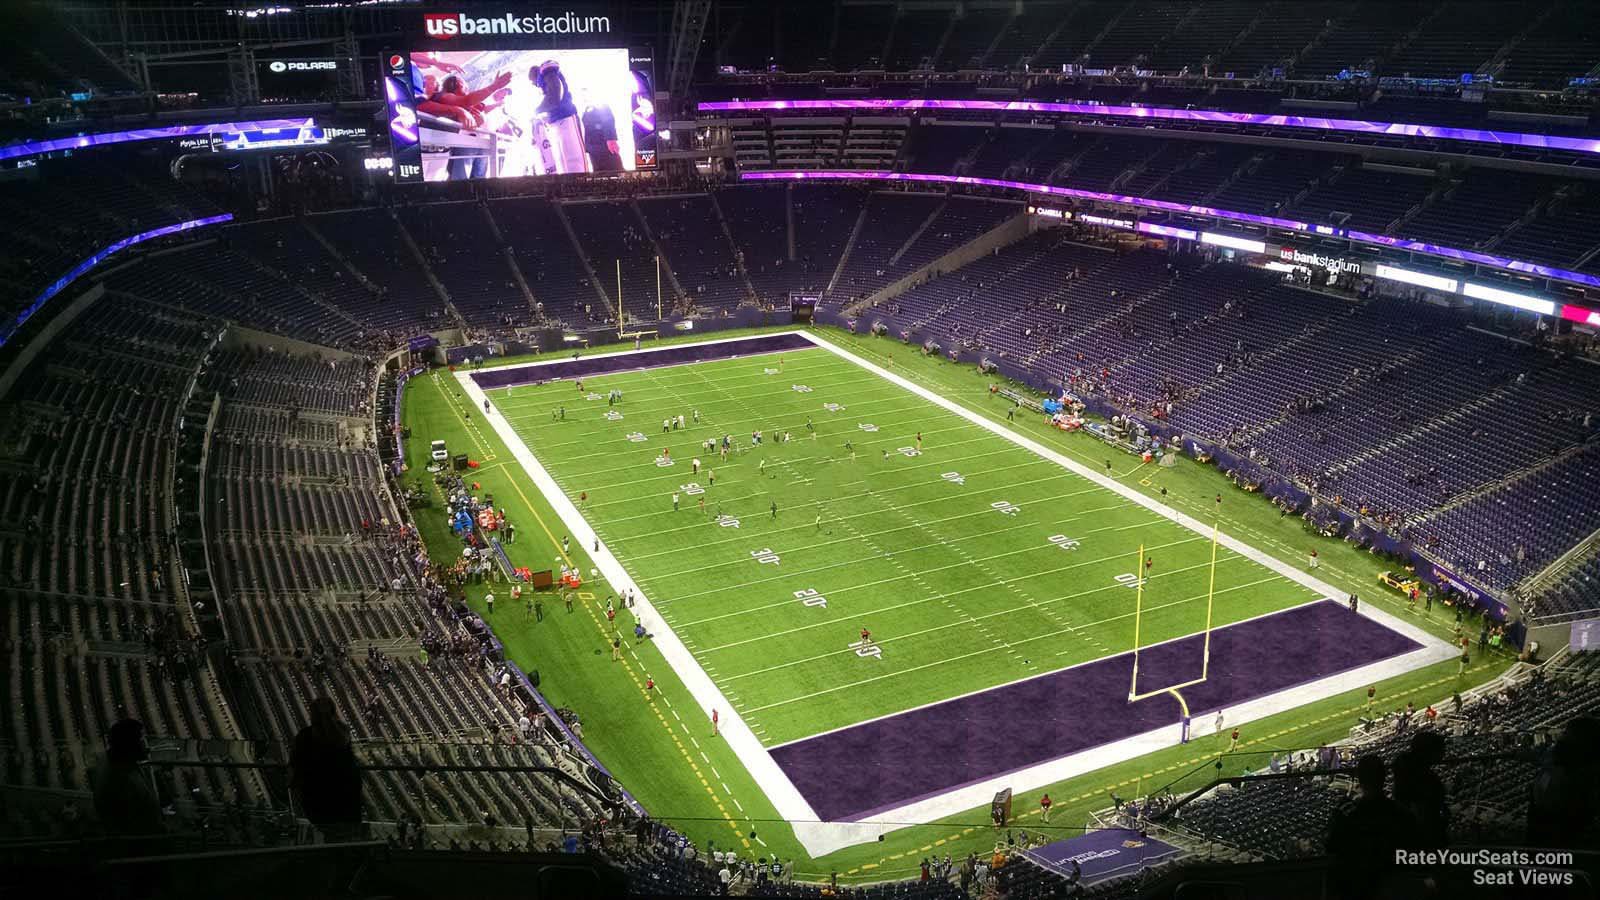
(1363, 836)
(1418, 788)
(1566, 792)
(324, 774)
(124, 798)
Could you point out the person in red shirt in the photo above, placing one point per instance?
(866, 638)
(1044, 807)
(649, 687)
(1233, 744)
(713, 723)
(453, 92)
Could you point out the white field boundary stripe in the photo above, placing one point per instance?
(1322, 588)
(786, 799)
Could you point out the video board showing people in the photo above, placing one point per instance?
(519, 113)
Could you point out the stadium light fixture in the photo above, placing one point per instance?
(1420, 279)
(1510, 298)
(1236, 243)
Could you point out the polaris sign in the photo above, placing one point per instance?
(280, 66)
(444, 26)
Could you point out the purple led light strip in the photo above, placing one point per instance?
(60, 283)
(1514, 265)
(1358, 126)
(34, 148)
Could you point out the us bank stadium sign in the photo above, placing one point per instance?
(1335, 264)
(444, 26)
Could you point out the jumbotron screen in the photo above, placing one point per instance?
(459, 115)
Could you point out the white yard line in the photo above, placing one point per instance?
(853, 587)
(841, 520)
(1070, 629)
(820, 838)
(956, 565)
(982, 587)
(903, 487)
(712, 462)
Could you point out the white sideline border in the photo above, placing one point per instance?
(820, 838)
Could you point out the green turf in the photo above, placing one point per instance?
(959, 595)
(669, 761)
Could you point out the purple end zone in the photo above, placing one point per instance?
(875, 766)
(587, 366)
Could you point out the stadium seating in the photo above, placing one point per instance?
(1286, 819)
(612, 238)
(94, 628)
(260, 347)
(464, 251)
(553, 267)
(61, 211)
(752, 213)
(305, 578)
(691, 232)
(899, 233)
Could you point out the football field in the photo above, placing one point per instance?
(972, 561)
(770, 499)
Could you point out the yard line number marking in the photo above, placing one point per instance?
(866, 650)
